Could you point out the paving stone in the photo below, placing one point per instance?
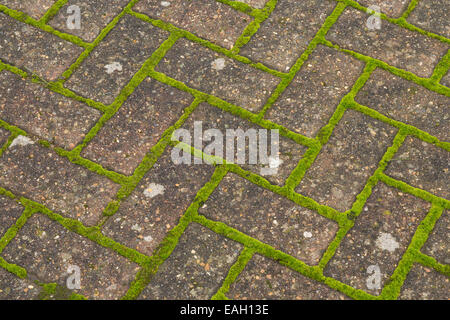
(14, 288)
(394, 45)
(392, 8)
(156, 205)
(95, 16)
(432, 16)
(258, 4)
(423, 166)
(36, 51)
(138, 125)
(207, 19)
(379, 238)
(4, 135)
(210, 72)
(446, 80)
(284, 36)
(195, 269)
(438, 244)
(270, 218)
(47, 250)
(116, 59)
(310, 100)
(10, 211)
(346, 162)
(423, 283)
(44, 113)
(279, 167)
(40, 175)
(264, 279)
(405, 101)
(34, 8)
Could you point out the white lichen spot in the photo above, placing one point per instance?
(21, 141)
(136, 227)
(165, 3)
(218, 64)
(148, 239)
(154, 190)
(307, 234)
(387, 242)
(115, 66)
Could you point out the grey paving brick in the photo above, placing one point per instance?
(446, 80)
(41, 175)
(47, 250)
(208, 19)
(116, 59)
(205, 70)
(346, 162)
(10, 211)
(394, 45)
(44, 113)
(270, 218)
(432, 15)
(138, 125)
(14, 288)
(438, 244)
(405, 101)
(34, 50)
(310, 100)
(34, 8)
(95, 16)
(423, 283)
(156, 205)
(266, 279)
(196, 268)
(423, 166)
(392, 8)
(379, 238)
(284, 36)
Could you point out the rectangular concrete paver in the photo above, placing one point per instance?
(44, 113)
(15, 288)
(446, 80)
(94, 17)
(10, 211)
(432, 15)
(205, 70)
(123, 142)
(392, 8)
(423, 166)
(312, 97)
(346, 162)
(423, 283)
(47, 250)
(34, 8)
(157, 204)
(40, 174)
(34, 50)
(207, 19)
(270, 218)
(437, 245)
(376, 243)
(265, 279)
(116, 59)
(196, 268)
(283, 37)
(394, 45)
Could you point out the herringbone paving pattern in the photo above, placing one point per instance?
(86, 177)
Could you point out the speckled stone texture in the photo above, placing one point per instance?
(446, 80)
(312, 97)
(123, 142)
(207, 19)
(284, 36)
(258, 4)
(209, 117)
(157, 204)
(432, 15)
(379, 238)
(43, 176)
(196, 268)
(423, 166)
(407, 102)
(397, 46)
(208, 71)
(34, 8)
(38, 52)
(95, 15)
(270, 218)
(437, 245)
(10, 212)
(347, 161)
(265, 279)
(392, 8)
(47, 250)
(424, 283)
(15, 288)
(122, 53)
(4, 135)
(44, 113)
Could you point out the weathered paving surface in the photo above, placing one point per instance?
(355, 205)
